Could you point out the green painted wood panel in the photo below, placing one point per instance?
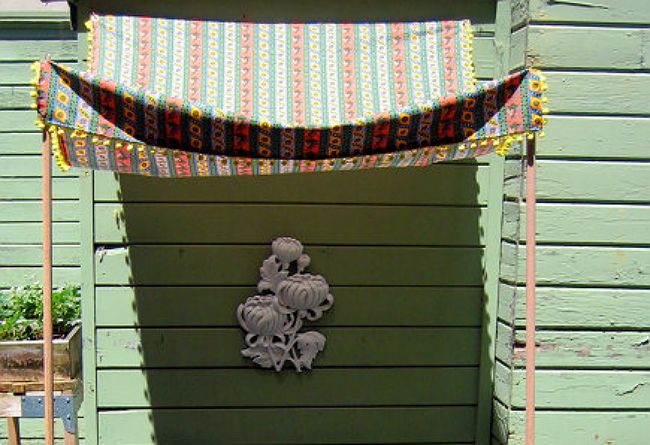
(18, 73)
(32, 255)
(312, 224)
(16, 274)
(201, 388)
(13, 121)
(593, 266)
(518, 41)
(66, 187)
(16, 97)
(458, 184)
(592, 337)
(20, 143)
(32, 211)
(32, 232)
(585, 224)
(578, 349)
(598, 93)
(604, 389)
(575, 308)
(288, 426)
(20, 44)
(610, 137)
(42, 441)
(238, 265)
(591, 11)
(618, 48)
(27, 166)
(346, 347)
(29, 50)
(585, 181)
(571, 428)
(355, 306)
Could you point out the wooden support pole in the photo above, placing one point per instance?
(70, 438)
(47, 290)
(13, 431)
(531, 203)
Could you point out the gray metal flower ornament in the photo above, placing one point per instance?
(286, 297)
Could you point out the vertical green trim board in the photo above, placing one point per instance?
(87, 220)
(492, 255)
(88, 307)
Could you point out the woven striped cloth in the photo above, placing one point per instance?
(178, 98)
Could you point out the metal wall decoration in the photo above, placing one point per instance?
(287, 296)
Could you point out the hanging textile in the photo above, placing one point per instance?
(179, 98)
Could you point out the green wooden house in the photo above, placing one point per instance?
(425, 342)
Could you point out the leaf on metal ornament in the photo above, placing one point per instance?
(309, 344)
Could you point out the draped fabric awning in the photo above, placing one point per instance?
(178, 98)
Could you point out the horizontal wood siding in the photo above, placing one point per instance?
(593, 375)
(402, 249)
(24, 38)
(21, 43)
(170, 274)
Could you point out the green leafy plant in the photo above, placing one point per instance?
(21, 311)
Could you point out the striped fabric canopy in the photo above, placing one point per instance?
(178, 98)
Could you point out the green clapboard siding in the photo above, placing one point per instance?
(196, 388)
(578, 349)
(590, 12)
(575, 308)
(347, 347)
(610, 137)
(31, 211)
(575, 427)
(31, 188)
(355, 306)
(573, 223)
(21, 274)
(625, 48)
(21, 42)
(586, 181)
(598, 93)
(458, 184)
(222, 223)
(290, 426)
(238, 265)
(593, 378)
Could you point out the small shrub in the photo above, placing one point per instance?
(21, 311)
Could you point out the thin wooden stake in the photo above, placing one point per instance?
(531, 203)
(47, 290)
(13, 431)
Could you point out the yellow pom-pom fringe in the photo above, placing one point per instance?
(499, 144)
(59, 157)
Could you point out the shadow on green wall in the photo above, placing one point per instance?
(402, 250)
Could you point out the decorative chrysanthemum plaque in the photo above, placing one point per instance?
(287, 296)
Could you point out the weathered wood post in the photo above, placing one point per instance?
(48, 376)
(531, 203)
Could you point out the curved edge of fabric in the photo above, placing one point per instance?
(67, 101)
(120, 156)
